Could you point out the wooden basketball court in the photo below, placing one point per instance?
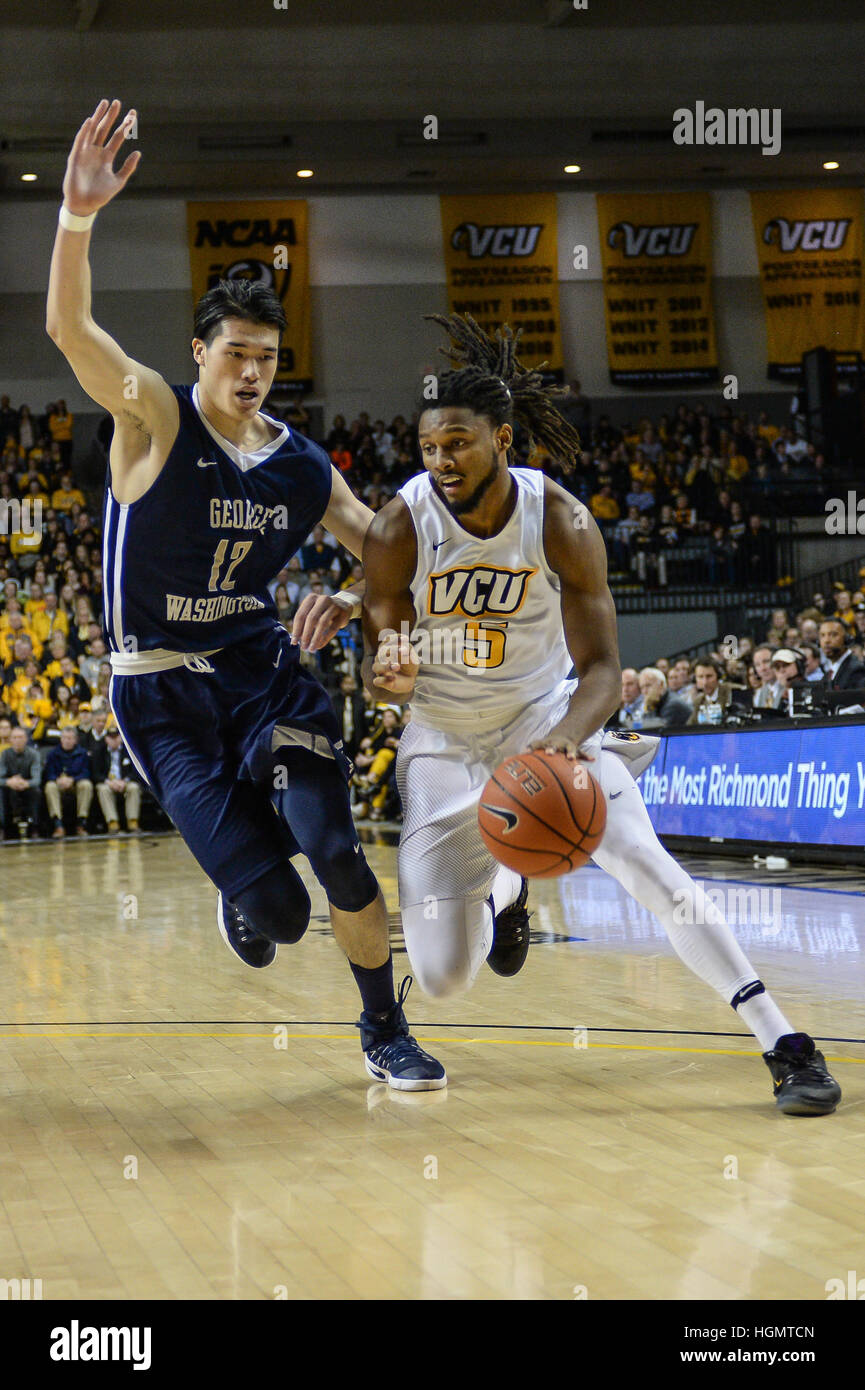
(176, 1126)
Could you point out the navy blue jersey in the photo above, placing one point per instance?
(186, 567)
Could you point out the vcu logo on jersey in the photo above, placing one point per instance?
(479, 589)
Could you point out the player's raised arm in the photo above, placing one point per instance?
(389, 560)
(576, 552)
(138, 397)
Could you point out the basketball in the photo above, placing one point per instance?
(542, 815)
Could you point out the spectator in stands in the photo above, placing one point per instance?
(381, 747)
(85, 727)
(785, 664)
(285, 609)
(64, 715)
(766, 696)
(100, 713)
(67, 775)
(723, 554)
(714, 692)
(843, 671)
(640, 497)
(33, 712)
(630, 711)
(679, 677)
(578, 410)
(778, 627)
(603, 505)
(622, 537)
(26, 431)
(8, 423)
(20, 774)
(95, 656)
(649, 563)
(67, 494)
(662, 709)
(5, 729)
(813, 662)
(350, 708)
(758, 553)
(115, 775)
(318, 555)
(70, 677)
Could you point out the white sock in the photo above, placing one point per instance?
(765, 1020)
(506, 888)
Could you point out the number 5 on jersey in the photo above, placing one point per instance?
(484, 647)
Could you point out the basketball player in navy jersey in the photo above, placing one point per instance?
(511, 560)
(206, 499)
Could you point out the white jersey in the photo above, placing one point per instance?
(489, 632)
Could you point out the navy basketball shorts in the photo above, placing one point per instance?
(207, 741)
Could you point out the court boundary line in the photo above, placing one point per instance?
(351, 1023)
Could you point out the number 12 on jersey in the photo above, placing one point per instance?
(238, 551)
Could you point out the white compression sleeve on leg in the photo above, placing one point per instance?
(447, 941)
(699, 933)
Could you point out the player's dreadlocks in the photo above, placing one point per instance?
(488, 379)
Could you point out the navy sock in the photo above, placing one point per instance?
(376, 986)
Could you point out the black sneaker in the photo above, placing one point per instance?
(803, 1086)
(391, 1053)
(254, 950)
(511, 936)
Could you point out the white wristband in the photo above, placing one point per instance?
(352, 603)
(73, 223)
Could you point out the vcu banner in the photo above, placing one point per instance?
(809, 246)
(656, 253)
(502, 267)
(264, 241)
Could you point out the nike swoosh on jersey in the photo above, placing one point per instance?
(208, 463)
(509, 817)
(438, 545)
(613, 795)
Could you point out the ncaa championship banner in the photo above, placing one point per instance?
(794, 786)
(501, 263)
(264, 241)
(656, 252)
(809, 248)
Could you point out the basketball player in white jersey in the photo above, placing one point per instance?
(500, 577)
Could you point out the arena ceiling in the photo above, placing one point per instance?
(235, 95)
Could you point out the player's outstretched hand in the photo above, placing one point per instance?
(396, 665)
(90, 181)
(316, 621)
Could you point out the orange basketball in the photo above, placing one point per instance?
(542, 815)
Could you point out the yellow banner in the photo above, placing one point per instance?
(265, 241)
(809, 245)
(501, 264)
(656, 252)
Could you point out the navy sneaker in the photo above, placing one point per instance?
(803, 1086)
(254, 950)
(391, 1053)
(511, 936)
